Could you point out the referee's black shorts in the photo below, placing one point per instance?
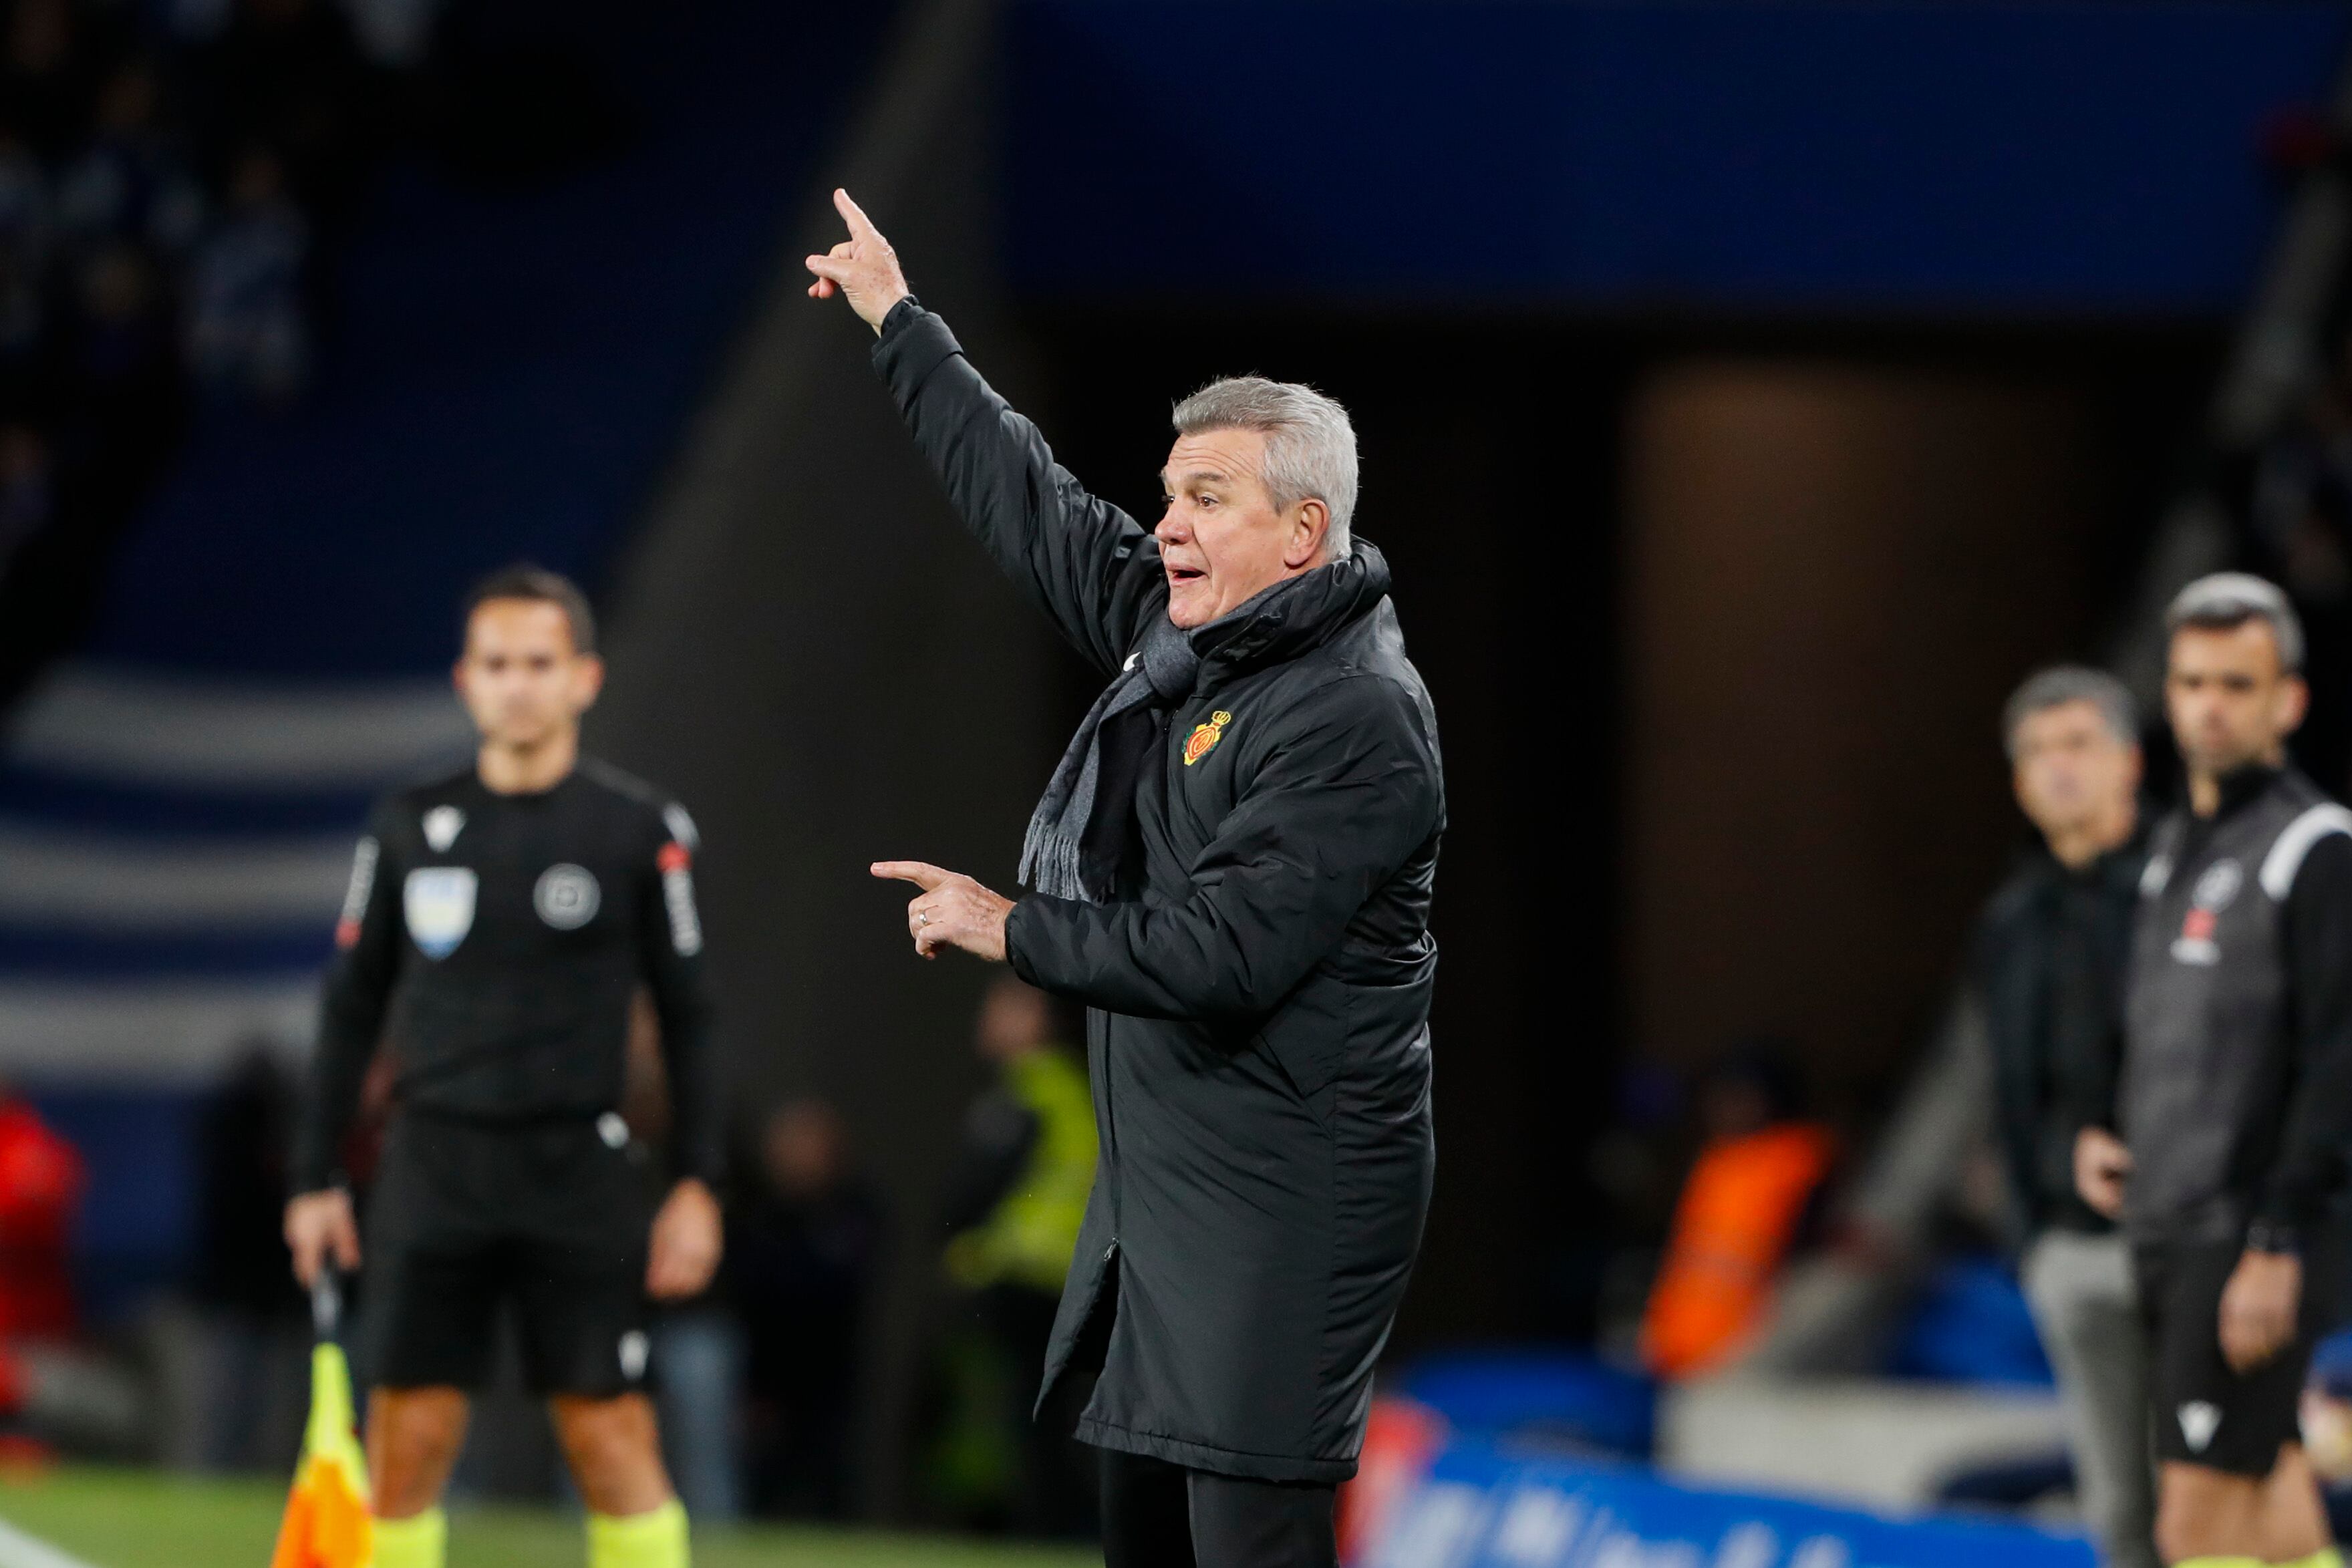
(2206, 1413)
(466, 1216)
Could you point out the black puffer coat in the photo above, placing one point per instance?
(1259, 1038)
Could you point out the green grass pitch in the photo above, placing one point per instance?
(134, 1519)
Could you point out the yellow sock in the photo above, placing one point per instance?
(422, 1541)
(654, 1538)
(2220, 1562)
(2326, 1557)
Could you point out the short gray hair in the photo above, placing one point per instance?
(2062, 683)
(1310, 446)
(2230, 599)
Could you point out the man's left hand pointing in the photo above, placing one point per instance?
(952, 911)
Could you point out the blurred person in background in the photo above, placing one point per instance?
(288, 75)
(131, 182)
(1233, 866)
(28, 489)
(698, 1340)
(1015, 1198)
(119, 388)
(2237, 1089)
(26, 234)
(46, 49)
(256, 1324)
(2046, 976)
(1744, 1208)
(41, 1184)
(249, 334)
(805, 1250)
(501, 922)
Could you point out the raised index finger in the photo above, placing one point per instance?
(854, 215)
(920, 873)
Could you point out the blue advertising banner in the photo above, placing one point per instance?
(1482, 1507)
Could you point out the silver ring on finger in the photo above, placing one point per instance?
(923, 917)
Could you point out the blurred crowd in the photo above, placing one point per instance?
(178, 182)
(171, 179)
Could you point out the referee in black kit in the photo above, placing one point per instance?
(500, 925)
(2237, 1089)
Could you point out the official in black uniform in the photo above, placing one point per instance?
(2237, 1091)
(499, 927)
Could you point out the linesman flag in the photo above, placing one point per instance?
(330, 1518)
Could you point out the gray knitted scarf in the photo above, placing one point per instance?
(1073, 848)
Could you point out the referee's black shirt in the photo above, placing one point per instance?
(494, 945)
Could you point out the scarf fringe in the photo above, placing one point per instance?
(1049, 863)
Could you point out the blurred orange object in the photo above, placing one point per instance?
(330, 1522)
(1733, 1226)
(1400, 1440)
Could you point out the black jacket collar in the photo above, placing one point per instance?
(2038, 874)
(2241, 787)
(1295, 616)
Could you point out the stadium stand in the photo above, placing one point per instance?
(504, 373)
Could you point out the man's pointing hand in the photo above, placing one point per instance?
(863, 267)
(952, 910)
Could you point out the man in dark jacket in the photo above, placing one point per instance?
(2237, 1092)
(2046, 980)
(1234, 865)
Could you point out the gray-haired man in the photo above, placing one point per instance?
(2237, 1094)
(2047, 975)
(1234, 865)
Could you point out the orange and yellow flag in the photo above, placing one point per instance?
(330, 1522)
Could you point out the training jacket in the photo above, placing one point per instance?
(494, 945)
(1258, 1038)
(2237, 1094)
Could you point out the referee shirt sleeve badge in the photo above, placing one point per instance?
(438, 903)
(676, 863)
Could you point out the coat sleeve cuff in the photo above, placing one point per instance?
(2286, 1210)
(309, 1178)
(913, 344)
(2272, 1233)
(1016, 957)
(1029, 940)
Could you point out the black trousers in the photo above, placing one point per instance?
(1158, 1515)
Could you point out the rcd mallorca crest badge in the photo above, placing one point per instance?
(1203, 740)
(438, 901)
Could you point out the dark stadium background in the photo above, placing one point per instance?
(1749, 395)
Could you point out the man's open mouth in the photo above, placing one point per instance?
(1184, 574)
